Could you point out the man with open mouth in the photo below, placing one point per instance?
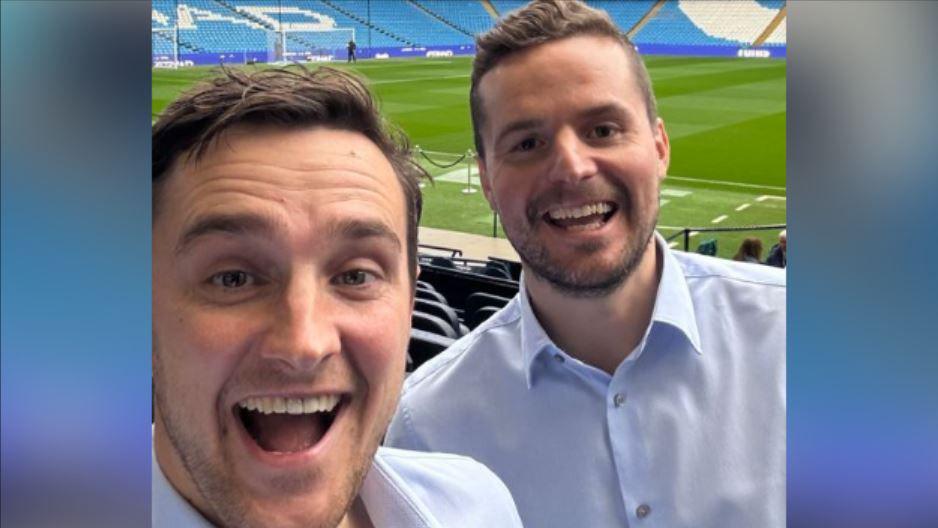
(285, 220)
(626, 384)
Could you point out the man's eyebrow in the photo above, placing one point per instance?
(360, 229)
(605, 110)
(232, 224)
(521, 124)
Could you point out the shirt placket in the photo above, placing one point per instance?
(624, 439)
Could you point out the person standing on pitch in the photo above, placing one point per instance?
(350, 48)
(285, 218)
(626, 384)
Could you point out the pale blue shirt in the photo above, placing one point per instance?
(688, 431)
(403, 489)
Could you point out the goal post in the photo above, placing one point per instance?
(164, 43)
(289, 45)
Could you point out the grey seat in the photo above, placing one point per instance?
(479, 316)
(479, 299)
(423, 346)
(440, 310)
(433, 324)
(430, 295)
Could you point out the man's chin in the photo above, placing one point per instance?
(300, 511)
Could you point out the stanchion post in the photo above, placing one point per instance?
(469, 189)
(686, 239)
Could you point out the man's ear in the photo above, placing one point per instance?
(662, 148)
(486, 183)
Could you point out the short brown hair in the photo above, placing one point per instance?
(539, 22)
(291, 97)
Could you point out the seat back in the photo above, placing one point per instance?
(430, 295)
(432, 324)
(479, 316)
(479, 299)
(440, 310)
(423, 346)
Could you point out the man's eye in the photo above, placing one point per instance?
(526, 145)
(355, 278)
(603, 131)
(232, 279)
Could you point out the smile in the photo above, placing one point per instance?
(581, 218)
(282, 425)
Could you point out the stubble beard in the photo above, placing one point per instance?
(581, 281)
(228, 503)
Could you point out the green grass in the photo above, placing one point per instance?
(725, 119)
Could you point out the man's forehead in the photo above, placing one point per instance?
(312, 146)
(313, 170)
(594, 55)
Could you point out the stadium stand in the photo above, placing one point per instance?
(672, 26)
(505, 6)
(468, 17)
(624, 14)
(254, 26)
(710, 22)
(411, 22)
(739, 22)
(366, 32)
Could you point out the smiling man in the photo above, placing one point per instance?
(626, 384)
(284, 262)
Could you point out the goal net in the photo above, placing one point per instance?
(289, 45)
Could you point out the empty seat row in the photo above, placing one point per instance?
(435, 324)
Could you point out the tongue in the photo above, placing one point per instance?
(583, 220)
(287, 433)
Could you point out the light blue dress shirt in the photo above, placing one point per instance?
(689, 431)
(403, 489)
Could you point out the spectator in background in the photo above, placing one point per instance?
(626, 384)
(750, 250)
(351, 51)
(284, 264)
(778, 255)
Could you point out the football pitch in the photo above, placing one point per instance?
(725, 119)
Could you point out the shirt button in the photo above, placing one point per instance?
(559, 358)
(618, 399)
(643, 511)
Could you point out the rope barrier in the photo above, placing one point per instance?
(440, 165)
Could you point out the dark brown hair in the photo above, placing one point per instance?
(292, 97)
(539, 22)
(750, 247)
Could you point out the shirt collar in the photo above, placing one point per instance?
(673, 306)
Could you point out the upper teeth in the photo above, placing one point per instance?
(275, 404)
(579, 212)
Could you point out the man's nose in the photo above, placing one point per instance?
(573, 159)
(304, 330)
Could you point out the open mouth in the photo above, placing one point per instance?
(288, 425)
(585, 217)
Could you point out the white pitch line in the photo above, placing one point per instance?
(693, 233)
(765, 197)
(718, 219)
(672, 244)
(727, 183)
(663, 203)
(743, 207)
(676, 193)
